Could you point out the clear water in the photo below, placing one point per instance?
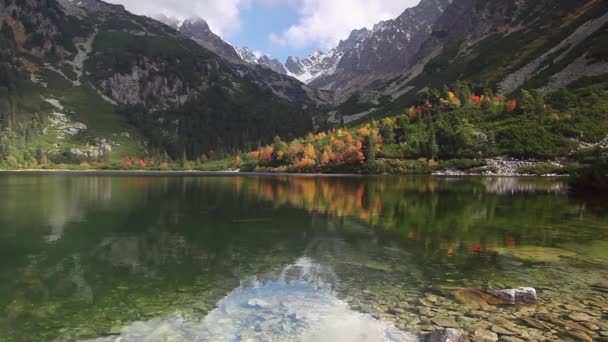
(261, 258)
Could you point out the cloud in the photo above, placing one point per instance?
(324, 23)
(223, 16)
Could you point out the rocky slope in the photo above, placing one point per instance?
(114, 73)
(198, 30)
(387, 49)
(502, 45)
(248, 56)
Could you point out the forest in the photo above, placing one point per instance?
(452, 127)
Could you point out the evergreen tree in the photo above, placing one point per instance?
(387, 131)
(432, 148)
(369, 151)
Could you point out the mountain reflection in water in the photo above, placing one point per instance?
(300, 305)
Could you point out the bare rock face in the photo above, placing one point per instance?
(522, 295)
(447, 335)
(198, 30)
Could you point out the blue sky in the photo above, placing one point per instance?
(279, 28)
(258, 22)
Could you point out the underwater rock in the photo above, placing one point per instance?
(580, 317)
(447, 322)
(485, 335)
(522, 295)
(447, 335)
(475, 298)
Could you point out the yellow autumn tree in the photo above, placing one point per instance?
(309, 152)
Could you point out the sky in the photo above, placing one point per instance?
(278, 28)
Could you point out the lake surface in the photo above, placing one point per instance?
(288, 258)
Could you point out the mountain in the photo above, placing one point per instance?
(366, 54)
(498, 87)
(249, 56)
(198, 30)
(264, 71)
(88, 80)
(502, 45)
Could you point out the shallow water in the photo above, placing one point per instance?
(262, 258)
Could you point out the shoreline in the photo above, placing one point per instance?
(196, 173)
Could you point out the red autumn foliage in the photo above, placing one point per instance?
(141, 162)
(475, 248)
(126, 161)
(511, 106)
(476, 99)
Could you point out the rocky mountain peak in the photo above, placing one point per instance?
(198, 30)
(195, 27)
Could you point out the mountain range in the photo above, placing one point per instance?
(87, 79)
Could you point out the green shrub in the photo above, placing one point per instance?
(542, 169)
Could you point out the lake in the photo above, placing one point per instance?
(295, 258)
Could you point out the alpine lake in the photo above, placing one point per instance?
(100, 257)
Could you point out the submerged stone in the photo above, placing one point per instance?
(446, 322)
(580, 317)
(475, 298)
(522, 295)
(485, 335)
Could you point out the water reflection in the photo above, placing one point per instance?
(85, 257)
(300, 305)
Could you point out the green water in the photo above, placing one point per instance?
(172, 258)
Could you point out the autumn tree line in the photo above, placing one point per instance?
(444, 124)
(453, 123)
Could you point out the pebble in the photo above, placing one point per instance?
(571, 307)
(511, 339)
(485, 335)
(580, 317)
(423, 310)
(591, 326)
(446, 322)
(500, 330)
(581, 336)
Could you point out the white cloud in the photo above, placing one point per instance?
(324, 23)
(222, 15)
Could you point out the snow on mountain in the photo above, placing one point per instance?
(254, 57)
(388, 48)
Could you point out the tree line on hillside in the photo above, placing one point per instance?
(445, 124)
